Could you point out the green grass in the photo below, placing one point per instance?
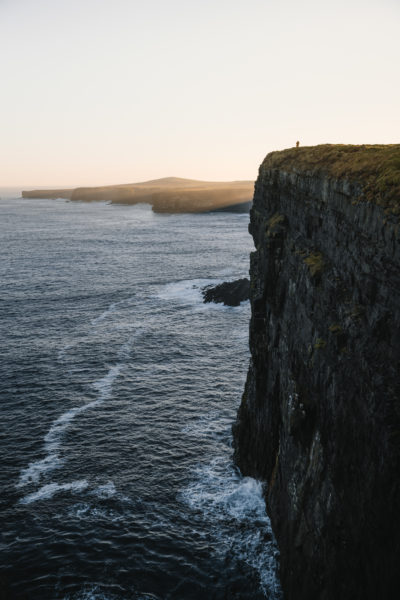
(375, 167)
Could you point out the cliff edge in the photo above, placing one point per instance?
(319, 419)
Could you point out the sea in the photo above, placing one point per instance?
(119, 388)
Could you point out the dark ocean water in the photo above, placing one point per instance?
(118, 391)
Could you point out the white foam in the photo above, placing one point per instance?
(109, 311)
(219, 490)
(235, 512)
(104, 385)
(33, 472)
(47, 492)
(189, 293)
(106, 490)
(112, 309)
(91, 593)
(53, 439)
(87, 512)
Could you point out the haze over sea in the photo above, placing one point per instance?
(119, 389)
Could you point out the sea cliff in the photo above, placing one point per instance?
(319, 419)
(166, 195)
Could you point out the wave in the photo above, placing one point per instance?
(49, 490)
(54, 436)
(189, 293)
(110, 310)
(213, 424)
(91, 593)
(103, 386)
(234, 508)
(107, 490)
(62, 352)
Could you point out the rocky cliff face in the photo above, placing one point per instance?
(320, 415)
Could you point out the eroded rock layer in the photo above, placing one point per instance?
(320, 415)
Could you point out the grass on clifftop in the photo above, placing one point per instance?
(375, 167)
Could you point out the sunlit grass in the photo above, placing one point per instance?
(375, 167)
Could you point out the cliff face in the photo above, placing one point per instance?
(48, 194)
(320, 414)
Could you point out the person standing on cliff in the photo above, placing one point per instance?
(297, 144)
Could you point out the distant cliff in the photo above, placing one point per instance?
(48, 194)
(170, 194)
(319, 419)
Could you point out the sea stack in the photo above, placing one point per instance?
(319, 419)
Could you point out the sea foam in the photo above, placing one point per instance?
(49, 490)
(188, 292)
(54, 436)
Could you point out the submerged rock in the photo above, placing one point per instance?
(320, 415)
(230, 293)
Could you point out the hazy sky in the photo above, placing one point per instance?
(117, 91)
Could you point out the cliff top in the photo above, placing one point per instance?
(375, 167)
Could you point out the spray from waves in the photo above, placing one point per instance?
(235, 510)
(233, 507)
(189, 292)
(53, 438)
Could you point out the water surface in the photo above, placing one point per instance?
(119, 388)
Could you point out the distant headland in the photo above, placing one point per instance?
(170, 194)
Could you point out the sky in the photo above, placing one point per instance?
(97, 92)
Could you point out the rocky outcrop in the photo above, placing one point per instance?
(319, 419)
(230, 293)
(167, 195)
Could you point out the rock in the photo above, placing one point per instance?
(231, 293)
(319, 419)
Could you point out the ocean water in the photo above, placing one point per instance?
(118, 392)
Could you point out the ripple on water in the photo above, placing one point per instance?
(137, 381)
(53, 439)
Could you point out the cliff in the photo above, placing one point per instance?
(48, 194)
(319, 419)
(170, 194)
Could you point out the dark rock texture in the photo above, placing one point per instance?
(231, 293)
(320, 414)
